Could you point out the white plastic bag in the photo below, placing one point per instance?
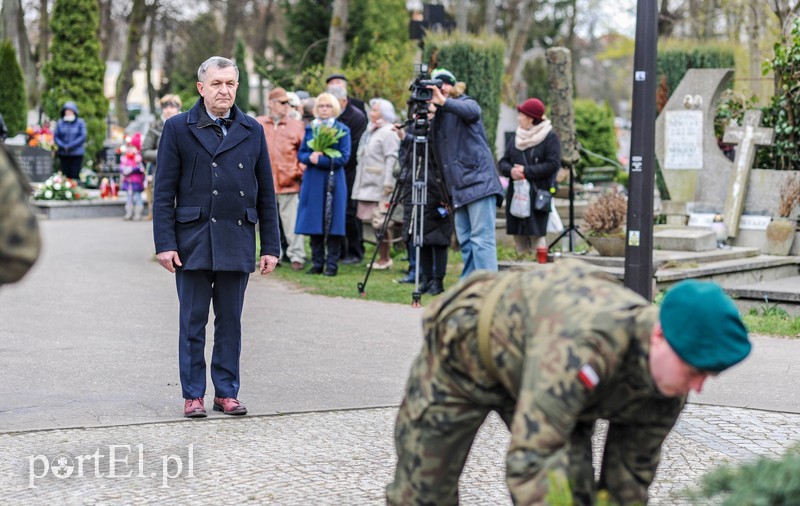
(554, 223)
(521, 201)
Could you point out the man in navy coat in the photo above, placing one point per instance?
(213, 185)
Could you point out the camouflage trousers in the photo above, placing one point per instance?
(448, 396)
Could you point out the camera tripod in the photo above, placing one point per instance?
(418, 188)
(571, 229)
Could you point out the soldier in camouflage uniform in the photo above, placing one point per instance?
(19, 232)
(551, 351)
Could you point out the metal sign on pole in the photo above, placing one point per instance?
(641, 181)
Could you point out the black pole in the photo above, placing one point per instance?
(639, 244)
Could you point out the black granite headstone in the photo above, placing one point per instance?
(35, 163)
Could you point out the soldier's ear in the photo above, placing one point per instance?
(657, 335)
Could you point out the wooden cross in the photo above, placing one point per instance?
(747, 136)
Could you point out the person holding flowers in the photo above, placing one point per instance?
(323, 194)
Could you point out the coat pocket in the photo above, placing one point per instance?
(187, 214)
(252, 215)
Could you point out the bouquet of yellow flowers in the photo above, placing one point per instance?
(323, 140)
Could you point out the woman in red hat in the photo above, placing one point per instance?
(535, 155)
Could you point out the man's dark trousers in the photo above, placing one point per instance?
(196, 290)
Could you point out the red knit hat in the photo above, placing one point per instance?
(533, 107)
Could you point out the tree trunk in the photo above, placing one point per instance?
(461, 16)
(232, 18)
(334, 56)
(105, 31)
(13, 29)
(136, 21)
(491, 17)
(43, 51)
(754, 21)
(260, 47)
(148, 56)
(519, 36)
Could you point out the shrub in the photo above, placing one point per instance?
(12, 92)
(606, 215)
(594, 127)
(478, 62)
(75, 71)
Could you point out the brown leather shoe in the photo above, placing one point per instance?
(297, 266)
(194, 408)
(229, 406)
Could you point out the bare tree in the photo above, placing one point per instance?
(491, 17)
(136, 23)
(106, 30)
(233, 18)
(152, 18)
(334, 55)
(461, 16)
(519, 35)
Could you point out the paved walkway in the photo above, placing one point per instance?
(89, 357)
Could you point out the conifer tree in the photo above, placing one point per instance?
(76, 71)
(243, 93)
(12, 92)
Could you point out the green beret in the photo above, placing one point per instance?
(702, 324)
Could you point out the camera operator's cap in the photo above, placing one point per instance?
(702, 325)
(278, 94)
(445, 75)
(335, 76)
(533, 108)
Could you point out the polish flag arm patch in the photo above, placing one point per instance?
(588, 376)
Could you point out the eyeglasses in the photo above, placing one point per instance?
(282, 102)
(324, 105)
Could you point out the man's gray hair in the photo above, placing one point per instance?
(339, 92)
(386, 108)
(215, 62)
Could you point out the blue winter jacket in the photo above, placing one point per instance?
(70, 136)
(463, 152)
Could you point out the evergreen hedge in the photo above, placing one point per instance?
(594, 127)
(478, 62)
(12, 92)
(75, 71)
(673, 63)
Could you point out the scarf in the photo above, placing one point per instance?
(533, 136)
(327, 122)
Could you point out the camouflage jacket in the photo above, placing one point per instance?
(19, 232)
(571, 346)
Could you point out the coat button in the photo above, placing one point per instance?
(213, 164)
(241, 194)
(240, 222)
(241, 166)
(213, 220)
(215, 192)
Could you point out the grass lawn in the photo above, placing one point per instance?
(380, 286)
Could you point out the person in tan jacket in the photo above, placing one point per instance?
(284, 138)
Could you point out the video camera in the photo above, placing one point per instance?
(420, 92)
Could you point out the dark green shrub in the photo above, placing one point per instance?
(594, 127)
(478, 62)
(12, 92)
(75, 71)
(673, 63)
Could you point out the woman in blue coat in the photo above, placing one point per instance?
(319, 169)
(70, 136)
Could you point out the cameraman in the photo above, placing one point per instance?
(459, 142)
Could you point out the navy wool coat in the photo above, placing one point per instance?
(211, 191)
(463, 152)
(311, 206)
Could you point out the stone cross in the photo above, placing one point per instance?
(747, 136)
